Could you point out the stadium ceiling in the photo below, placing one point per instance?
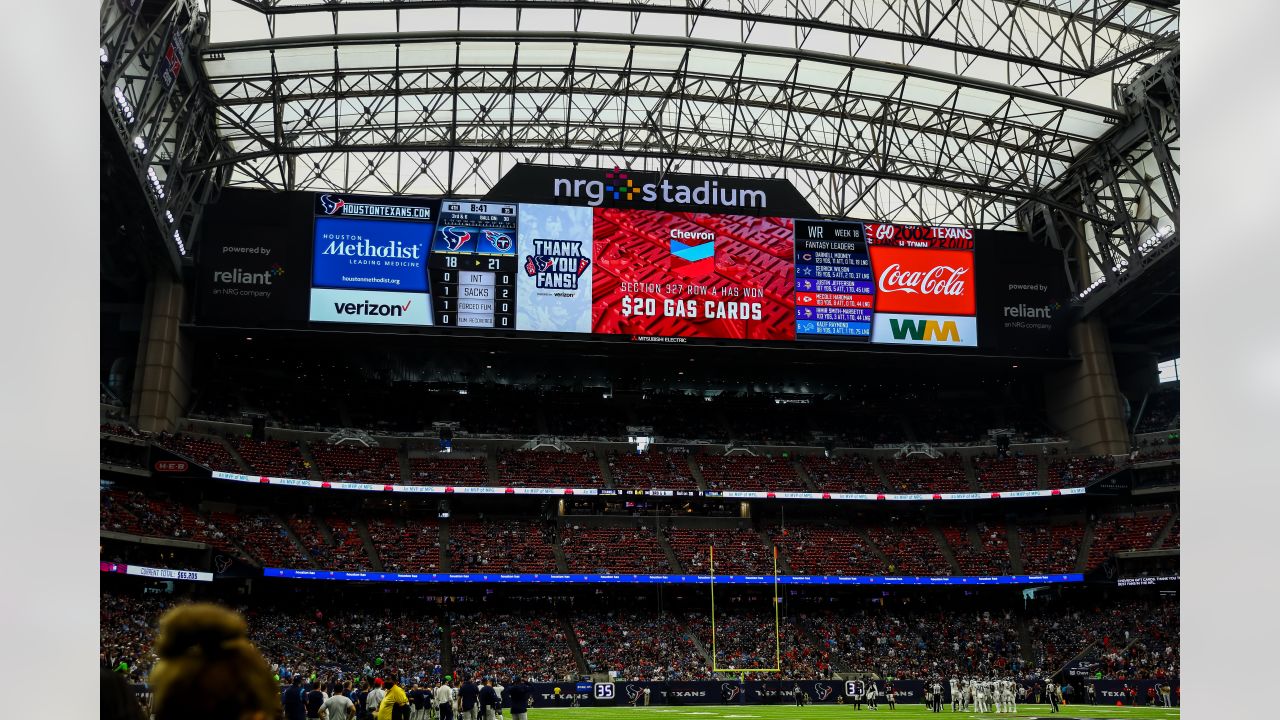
(938, 111)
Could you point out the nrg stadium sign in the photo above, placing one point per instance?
(647, 190)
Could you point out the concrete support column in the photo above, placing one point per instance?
(162, 386)
(1084, 399)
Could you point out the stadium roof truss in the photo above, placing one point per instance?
(972, 112)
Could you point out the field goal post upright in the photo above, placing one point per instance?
(777, 621)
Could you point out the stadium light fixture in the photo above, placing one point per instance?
(156, 186)
(102, 56)
(122, 102)
(140, 143)
(177, 239)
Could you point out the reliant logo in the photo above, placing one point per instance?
(1029, 311)
(618, 185)
(240, 276)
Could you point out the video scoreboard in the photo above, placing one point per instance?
(473, 265)
(835, 293)
(633, 273)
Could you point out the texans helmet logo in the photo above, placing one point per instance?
(632, 692)
(534, 264)
(331, 204)
(824, 691)
(499, 240)
(729, 690)
(455, 238)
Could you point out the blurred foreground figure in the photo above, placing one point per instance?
(208, 669)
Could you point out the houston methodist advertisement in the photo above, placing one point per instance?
(625, 272)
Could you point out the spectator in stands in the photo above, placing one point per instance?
(208, 669)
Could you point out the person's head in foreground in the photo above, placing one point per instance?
(208, 669)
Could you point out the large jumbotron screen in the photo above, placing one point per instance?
(333, 261)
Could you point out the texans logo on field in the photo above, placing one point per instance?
(499, 240)
(455, 238)
(331, 204)
(824, 691)
(632, 692)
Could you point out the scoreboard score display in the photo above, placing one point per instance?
(638, 274)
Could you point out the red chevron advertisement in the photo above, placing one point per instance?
(693, 275)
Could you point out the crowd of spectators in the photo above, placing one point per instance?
(448, 470)
(826, 549)
(206, 451)
(749, 473)
(990, 557)
(542, 468)
(528, 645)
(353, 462)
(1048, 548)
(508, 546)
(1124, 533)
(1002, 474)
(925, 475)
(902, 643)
(1079, 470)
(274, 458)
(901, 638)
(738, 551)
(844, 473)
(1126, 639)
(666, 470)
(638, 646)
(613, 550)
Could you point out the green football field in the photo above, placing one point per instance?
(842, 712)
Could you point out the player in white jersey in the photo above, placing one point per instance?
(982, 696)
(955, 694)
(1013, 696)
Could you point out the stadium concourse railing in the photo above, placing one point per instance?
(461, 444)
(655, 492)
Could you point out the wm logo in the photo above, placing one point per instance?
(924, 330)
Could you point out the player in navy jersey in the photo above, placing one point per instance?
(521, 695)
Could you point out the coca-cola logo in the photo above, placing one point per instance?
(923, 281)
(938, 280)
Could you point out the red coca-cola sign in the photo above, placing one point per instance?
(928, 282)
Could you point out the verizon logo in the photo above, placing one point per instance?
(371, 309)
